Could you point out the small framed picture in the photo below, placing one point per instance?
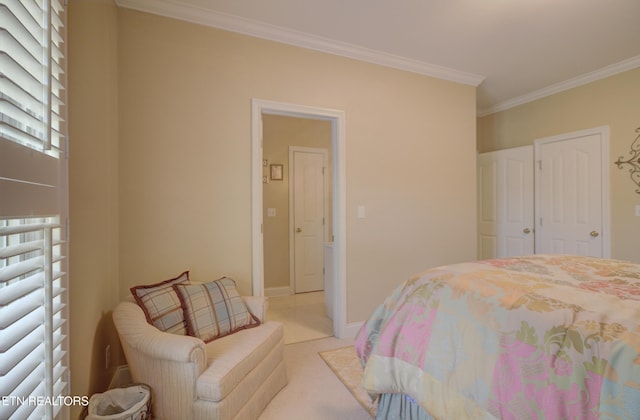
(275, 170)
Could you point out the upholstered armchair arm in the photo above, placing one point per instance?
(147, 339)
(257, 305)
(170, 364)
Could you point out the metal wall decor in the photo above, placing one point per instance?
(633, 161)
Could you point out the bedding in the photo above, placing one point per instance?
(543, 336)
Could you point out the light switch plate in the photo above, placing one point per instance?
(638, 210)
(361, 212)
(271, 212)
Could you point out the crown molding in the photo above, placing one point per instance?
(603, 73)
(203, 16)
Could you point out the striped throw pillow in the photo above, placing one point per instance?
(215, 309)
(161, 305)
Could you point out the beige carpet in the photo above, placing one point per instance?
(344, 363)
(314, 392)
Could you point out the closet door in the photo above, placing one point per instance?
(505, 203)
(572, 194)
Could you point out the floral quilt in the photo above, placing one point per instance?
(544, 336)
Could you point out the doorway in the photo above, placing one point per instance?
(337, 271)
(296, 202)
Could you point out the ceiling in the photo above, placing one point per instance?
(515, 51)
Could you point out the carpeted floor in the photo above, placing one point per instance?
(314, 392)
(344, 363)
(304, 316)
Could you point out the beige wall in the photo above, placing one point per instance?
(93, 192)
(609, 102)
(278, 133)
(185, 120)
(160, 120)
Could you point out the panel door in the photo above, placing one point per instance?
(505, 208)
(308, 198)
(570, 190)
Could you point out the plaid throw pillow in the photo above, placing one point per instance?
(213, 310)
(161, 305)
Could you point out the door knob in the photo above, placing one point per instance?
(298, 230)
(526, 231)
(594, 234)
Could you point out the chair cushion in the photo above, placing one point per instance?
(161, 305)
(230, 359)
(215, 309)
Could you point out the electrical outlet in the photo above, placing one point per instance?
(107, 356)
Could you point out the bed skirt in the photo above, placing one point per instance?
(400, 406)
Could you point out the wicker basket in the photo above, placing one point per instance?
(131, 402)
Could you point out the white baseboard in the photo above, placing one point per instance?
(277, 291)
(121, 377)
(353, 329)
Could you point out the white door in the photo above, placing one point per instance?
(308, 223)
(505, 208)
(572, 194)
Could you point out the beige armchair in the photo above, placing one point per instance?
(233, 377)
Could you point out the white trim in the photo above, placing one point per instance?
(257, 245)
(603, 132)
(258, 108)
(232, 23)
(353, 329)
(603, 73)
(325, 206)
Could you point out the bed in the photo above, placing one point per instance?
(543, 336)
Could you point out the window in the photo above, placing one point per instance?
(33, 211)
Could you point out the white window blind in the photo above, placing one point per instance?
(33, 211)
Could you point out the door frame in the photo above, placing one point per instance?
(337, 118)
(325, 206)
(603, 131)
